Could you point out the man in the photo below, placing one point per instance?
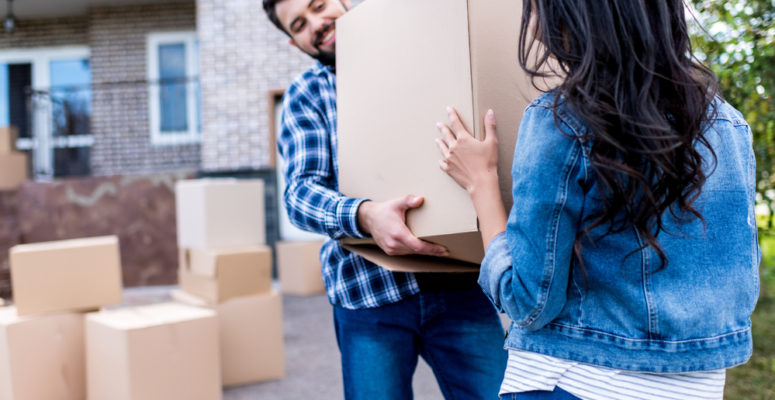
(383, 319)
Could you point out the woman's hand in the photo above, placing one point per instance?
(470, 162)
(473, 164)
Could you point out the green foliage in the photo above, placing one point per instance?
(738, 43)
(737, 40)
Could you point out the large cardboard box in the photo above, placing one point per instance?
(8, 136)
(157, 352)
(217, 275)
(460, 53)
(42, 357)
(298, 267)
(13, 170)
(251, 336)
(219, 213)
(66, 275)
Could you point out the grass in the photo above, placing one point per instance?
(756, 379)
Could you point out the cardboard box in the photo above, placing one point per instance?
(217, 275)
(8, 136)
(298, 267)
(13, 170)
(157, 352)
(42, 357)
(251, 336)
(66, 275)
(460, 53)
(219, 213)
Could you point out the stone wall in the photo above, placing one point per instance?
(140, 210)
(10, 235)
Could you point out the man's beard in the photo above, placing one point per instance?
(327, 58)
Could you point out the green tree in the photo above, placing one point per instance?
(738, 42)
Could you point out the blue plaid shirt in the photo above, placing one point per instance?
(308, 144)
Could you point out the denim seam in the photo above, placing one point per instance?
(672, 342)
(549, 265)
(646, 286)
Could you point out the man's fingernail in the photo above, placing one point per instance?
(438, 125)
(449, 110)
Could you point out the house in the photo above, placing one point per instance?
(141, 86)
(104, 88)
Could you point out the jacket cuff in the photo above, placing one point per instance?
(497, 260)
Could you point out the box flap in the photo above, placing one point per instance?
(148, 316)
(465, 247)
(413, 263)
(65, 244)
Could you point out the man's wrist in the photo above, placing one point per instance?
(362, 217)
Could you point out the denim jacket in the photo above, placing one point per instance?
(627, 313)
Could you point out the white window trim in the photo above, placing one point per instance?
(40, 58)
(192, 135)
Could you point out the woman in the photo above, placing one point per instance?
(629, 261)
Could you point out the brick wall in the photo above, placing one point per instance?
(117, 37)
(242, 58)
(47, 33)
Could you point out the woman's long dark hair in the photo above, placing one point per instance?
(630, 75)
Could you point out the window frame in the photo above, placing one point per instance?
(193, 133)
(42, 147)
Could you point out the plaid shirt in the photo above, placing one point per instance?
(308, 145)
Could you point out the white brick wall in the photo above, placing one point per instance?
(243, 57)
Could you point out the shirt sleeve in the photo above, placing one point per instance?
(311, 197)
(526, 270)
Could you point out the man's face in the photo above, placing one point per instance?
(310, 23)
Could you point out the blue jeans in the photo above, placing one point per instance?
(458, 333)
(556, 394)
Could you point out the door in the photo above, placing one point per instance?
(46, 93)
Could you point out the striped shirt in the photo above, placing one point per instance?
(308, 145)
(527, 371)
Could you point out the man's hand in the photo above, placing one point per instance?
(385, 221)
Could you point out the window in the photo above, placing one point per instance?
(54, 122)
(174, 92)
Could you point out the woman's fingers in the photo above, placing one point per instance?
(443, 148)
(447, 137)
(443, 165)
(456, 125)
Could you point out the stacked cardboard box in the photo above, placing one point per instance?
(66, 275)
(41, 357)
(42, 336)
(226, 267)
(156, 352)
(298, 267)
(13, 164)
